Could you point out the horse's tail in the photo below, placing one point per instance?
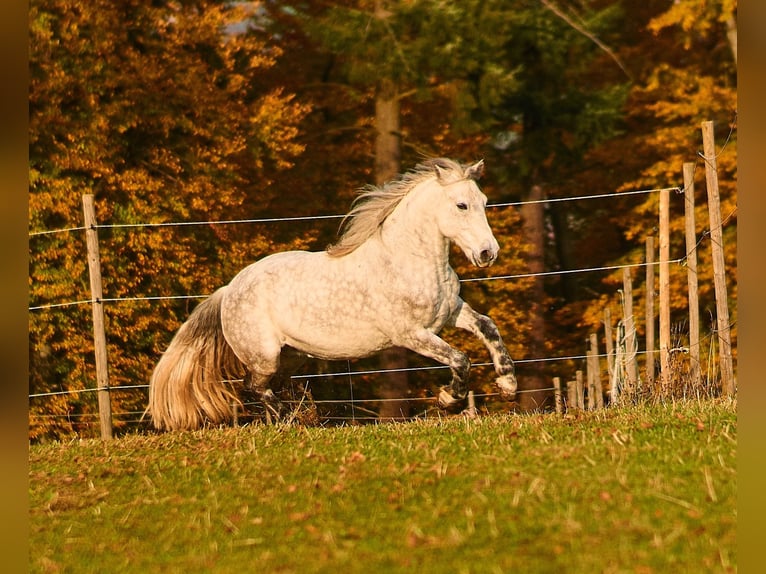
(196, 380)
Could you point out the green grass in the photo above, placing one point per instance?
(645, 489)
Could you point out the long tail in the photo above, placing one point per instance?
(195, 381)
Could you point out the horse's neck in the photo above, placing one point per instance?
(411, 233)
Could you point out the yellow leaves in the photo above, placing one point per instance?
(698, 21)
(696, 15)
(276, 118)
(153, 117)
(684, 94)
(676, 101)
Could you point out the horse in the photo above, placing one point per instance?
(386, 282)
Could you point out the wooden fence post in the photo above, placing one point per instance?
(571, 396)
(470, 411)
(691, 274)
(590, 378)
(559, 400)
(617, 379)
(665, 288)
(234, 413)
(580, 392)
(608, 338)
(719, 268)
(649, 319)
(631, 365)
(99, 335)
(596, 399)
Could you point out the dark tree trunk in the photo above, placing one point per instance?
(563, 245)
(394, 386)
(534, 229)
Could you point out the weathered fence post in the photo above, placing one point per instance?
(571, 395)
(719, 269)
(691, 274)
(590, 380)
(665, 288)
(617, 382)
(470, 411)
(610, 358)
(99, 335)
(631, 365)
(580, 391)
(559, 400)
(649, 319)
(595, 394)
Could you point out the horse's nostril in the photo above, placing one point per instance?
(486, 255)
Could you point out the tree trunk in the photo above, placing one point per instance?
(563, 243)
(394, 386)
(387, 141)
(534, 230)
(731, 34)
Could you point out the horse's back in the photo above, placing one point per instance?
(271, 283)
(306, 300)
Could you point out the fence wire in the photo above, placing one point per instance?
(336, 216)
(140, 416)
(465, 280)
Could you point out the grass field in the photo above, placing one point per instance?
(644, 489)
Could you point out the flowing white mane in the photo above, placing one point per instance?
(374, 204)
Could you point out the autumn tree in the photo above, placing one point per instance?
(683, 59)
(157, 110)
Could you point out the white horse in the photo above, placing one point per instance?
(387, 282)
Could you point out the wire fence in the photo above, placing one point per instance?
(354, 403)
(336, 216)
(336, 374)
(327, 217)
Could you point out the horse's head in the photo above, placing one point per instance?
(461, 213)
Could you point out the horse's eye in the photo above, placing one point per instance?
(462, 206)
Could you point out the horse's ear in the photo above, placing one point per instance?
(442, 173)
(475, 171)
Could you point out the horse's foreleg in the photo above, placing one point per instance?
(486, 330)
(430, 345)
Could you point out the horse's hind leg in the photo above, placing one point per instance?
(259, 349)
(261, 371)
(258, 384)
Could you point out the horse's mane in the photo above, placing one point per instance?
(374, 204)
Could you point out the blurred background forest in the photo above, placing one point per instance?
(204, 110)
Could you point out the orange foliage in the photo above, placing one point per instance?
(160, 116)
(665, 112)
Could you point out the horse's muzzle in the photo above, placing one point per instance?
(485, 258)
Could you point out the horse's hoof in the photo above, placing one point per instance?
(273, 406)
(507, 386)
(447, 401)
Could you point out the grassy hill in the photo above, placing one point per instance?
(643, 489)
